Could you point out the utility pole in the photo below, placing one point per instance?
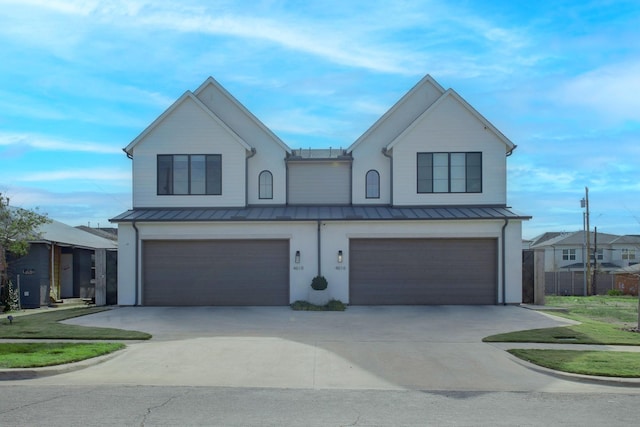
(588, 237)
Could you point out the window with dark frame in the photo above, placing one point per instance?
(189, 174)
(372, 183)
(449, 172)
(265, 185)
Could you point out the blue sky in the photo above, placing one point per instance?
(80, 79)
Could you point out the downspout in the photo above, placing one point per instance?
(385, 153)
(246, 176)
(286, 180)
(504, 268)
(53, 271)
(136, 281)
(319, 247)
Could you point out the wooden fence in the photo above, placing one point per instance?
(572, 283)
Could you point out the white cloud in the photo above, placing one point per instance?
(611, 91)
(77, 174)
(48, 144)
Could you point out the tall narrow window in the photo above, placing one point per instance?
(265, 185)
(372, 184)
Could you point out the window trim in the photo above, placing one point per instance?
(265, 173)
(377, 184)
(170, 192)
(569, 254)
(431, 167)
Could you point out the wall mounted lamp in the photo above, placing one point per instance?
(340, 257)
(297, 258)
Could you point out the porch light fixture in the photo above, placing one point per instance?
(297, 258)
(340, 257)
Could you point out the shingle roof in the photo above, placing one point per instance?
(312, 213)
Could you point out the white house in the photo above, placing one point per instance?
(413, 212)
(567, 251)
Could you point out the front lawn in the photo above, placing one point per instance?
(35, 355)
(600, 363)
(604, 320)
(47, 326)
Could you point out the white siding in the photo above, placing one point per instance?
(126, 265)
(367, 151)
(302, 237)
(188, 130)
(335, 237)
(270, 152)
(317, 183)
(450, 128)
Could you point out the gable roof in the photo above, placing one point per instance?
(210, 81)
(187, 96)
(576, 238)
(65, 235)
(453, 94)
(426, 80)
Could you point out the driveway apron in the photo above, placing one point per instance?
(381, 347)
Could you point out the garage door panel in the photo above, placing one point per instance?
(216, 272)
(423, 271)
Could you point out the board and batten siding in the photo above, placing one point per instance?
(319, 183)
(449, 128)
(270, 152)
(189, 130)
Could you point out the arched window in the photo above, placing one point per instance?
(372, 184)
(265, 185)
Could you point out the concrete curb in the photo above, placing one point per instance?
(589, 379)
(32, 373)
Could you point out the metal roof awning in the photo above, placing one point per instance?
(315, 213)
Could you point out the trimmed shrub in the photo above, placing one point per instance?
(319, 283)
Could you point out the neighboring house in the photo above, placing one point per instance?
(66, 262)
(627, 279)
(566, 251)
(413, 212)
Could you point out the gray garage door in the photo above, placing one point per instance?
(215, 272)
(423, 271)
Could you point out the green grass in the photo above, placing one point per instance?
(600, 363)
(47, 326)
(604, 320)
(333, 305)
(610, 309)
(588, 332)
(34, 355)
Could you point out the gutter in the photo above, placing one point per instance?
(385, 153)
(510, 152)
(136, 281)
(504, 268)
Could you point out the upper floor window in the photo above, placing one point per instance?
(265, 185)
(189, 174)
(568, 254)
(450, 172)
(628, 253)
(372, 184)
(598, 254)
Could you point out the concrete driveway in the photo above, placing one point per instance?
(421, 347)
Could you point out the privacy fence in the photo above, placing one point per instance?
(572, 283)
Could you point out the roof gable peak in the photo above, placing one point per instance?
(187, 96)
